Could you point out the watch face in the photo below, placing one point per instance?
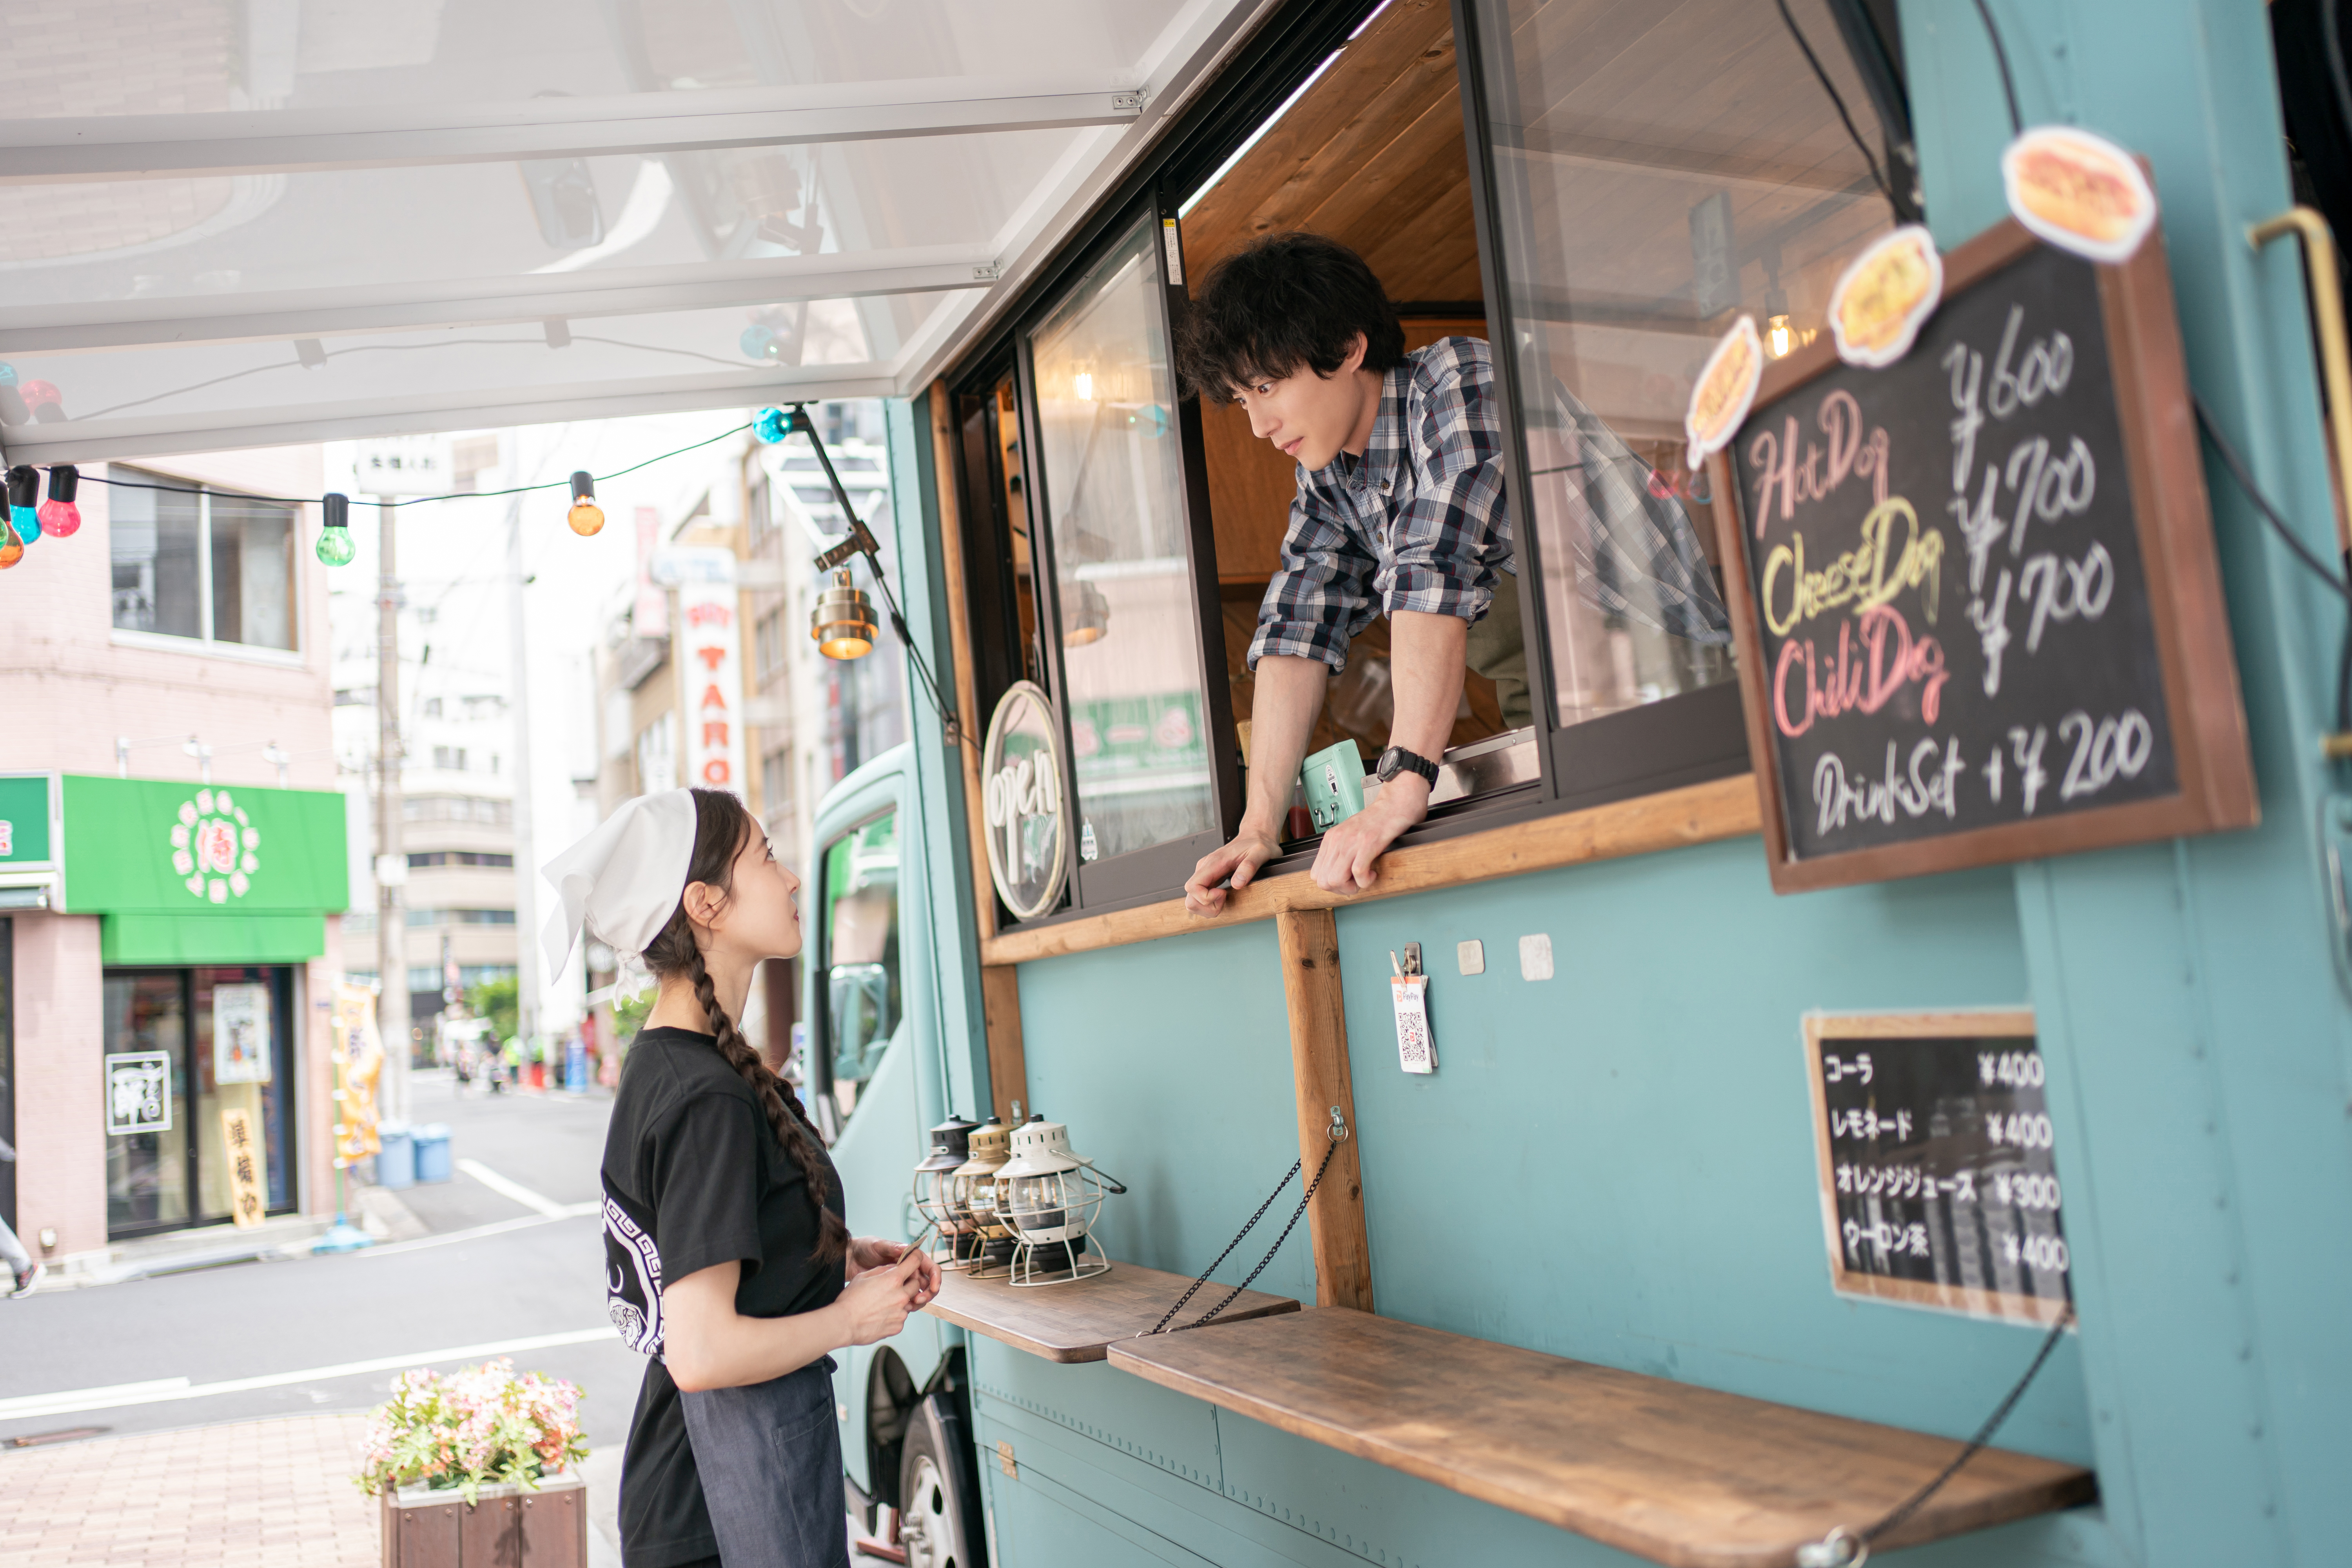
(1388, 766)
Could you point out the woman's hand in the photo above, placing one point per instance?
(875, 1304)
(873, 1252)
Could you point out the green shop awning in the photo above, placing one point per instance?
(200, 874)
(173, 941)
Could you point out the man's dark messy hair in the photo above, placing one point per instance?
(1290, 300)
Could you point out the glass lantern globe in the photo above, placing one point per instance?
(973, 1188)
(1051, 1200)
(935, 1189)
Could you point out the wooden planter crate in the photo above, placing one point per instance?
(506, 1528)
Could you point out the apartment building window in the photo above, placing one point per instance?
(457, 808)
(452, 758)
(767, 646)
(207, 564)
(759, 518)
(776, 782)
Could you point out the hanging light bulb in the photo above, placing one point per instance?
(843, 622)
(12, 403)
(58, 514)
(1086, 616)
(335, 547)
(24, 490)
(585, 517)
(771, 426)
(759, 342)
(45, 400)
(1778, 337)
(12, 549)
(1082, 385)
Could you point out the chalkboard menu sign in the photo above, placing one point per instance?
(1976, 603)
(1938, 1185)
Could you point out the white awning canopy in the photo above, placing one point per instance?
(295, 220)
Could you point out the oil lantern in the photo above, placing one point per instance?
(973, 1189)
(935, 1187)
(1050, 1199)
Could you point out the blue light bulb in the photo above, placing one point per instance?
(770, 425)
(27, 523)
(758, 342)
(7, 374)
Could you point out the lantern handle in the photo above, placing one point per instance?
(1337, 1131)
(1104, 1178)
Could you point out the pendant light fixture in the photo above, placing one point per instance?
(843, 622)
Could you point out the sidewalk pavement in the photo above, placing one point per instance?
(247, 1494)
(240, 1494)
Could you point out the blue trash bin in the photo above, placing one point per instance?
(395, 1161)
(575, 1069)
(430, 1142)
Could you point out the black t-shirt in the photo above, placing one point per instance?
(694, 1176)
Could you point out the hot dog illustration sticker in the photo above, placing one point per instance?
(1885, 296)
(2080, 192)
(1725, 389)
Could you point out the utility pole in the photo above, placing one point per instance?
(391, 859)
(526, 859)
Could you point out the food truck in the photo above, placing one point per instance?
(1866, 1068)
(1783, 1102)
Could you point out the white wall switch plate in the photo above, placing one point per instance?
(1535, 956)
(1470, 957)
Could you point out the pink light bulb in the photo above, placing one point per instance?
(60, 518)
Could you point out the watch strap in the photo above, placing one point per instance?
(1407, 761)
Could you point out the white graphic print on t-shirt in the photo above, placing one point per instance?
(633, 1281)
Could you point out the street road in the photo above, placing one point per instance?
(497, 1269)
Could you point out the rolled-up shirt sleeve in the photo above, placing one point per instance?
(1450, 539)
(1321, 598)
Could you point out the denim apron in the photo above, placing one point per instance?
(770, 1460)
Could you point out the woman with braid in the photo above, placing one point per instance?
(727, 1259)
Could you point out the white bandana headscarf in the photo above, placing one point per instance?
(623, 880)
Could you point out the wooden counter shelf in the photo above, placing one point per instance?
(1079, 1319)
(1684, 1476)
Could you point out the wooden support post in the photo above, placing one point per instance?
(1318, 1068)
(1008, 1067)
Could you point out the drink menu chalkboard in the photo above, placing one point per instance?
(1978, 614)
(1939, 1187)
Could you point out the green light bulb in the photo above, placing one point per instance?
(335, 546)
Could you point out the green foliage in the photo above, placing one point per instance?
(496, 1000)
(629, 1012)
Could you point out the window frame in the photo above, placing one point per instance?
(1693, 738)
(206, 640)
(1140, 875)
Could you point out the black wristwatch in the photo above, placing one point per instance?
(1397, 760)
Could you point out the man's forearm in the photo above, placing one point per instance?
(1287, 698)
(1425, 660)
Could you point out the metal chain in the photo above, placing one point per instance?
(1234, 1294)
(1841, 1548)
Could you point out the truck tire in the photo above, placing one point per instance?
(939, 1491)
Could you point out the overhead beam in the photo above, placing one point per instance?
(310, 141)
(219, 430)
(422, 305)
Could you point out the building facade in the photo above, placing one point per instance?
(172, 872)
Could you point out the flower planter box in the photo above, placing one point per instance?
(507, 1527)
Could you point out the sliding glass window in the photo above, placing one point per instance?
(1118, 536)
(1657, 171)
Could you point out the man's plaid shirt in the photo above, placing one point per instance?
(1418, 523)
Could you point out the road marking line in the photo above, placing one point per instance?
(154, 1386)
(515, 1190)
(475, 1233)
(74, 1401)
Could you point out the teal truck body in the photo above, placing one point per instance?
(1613, 1165)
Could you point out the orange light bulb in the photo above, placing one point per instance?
(585, 519)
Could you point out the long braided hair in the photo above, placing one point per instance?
(722, 826)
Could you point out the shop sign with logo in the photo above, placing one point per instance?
(24, 821)
(174, 847)
(139, 1093)
(249, 1170)
(403, 466)
(709, 660)
(1028, 820)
